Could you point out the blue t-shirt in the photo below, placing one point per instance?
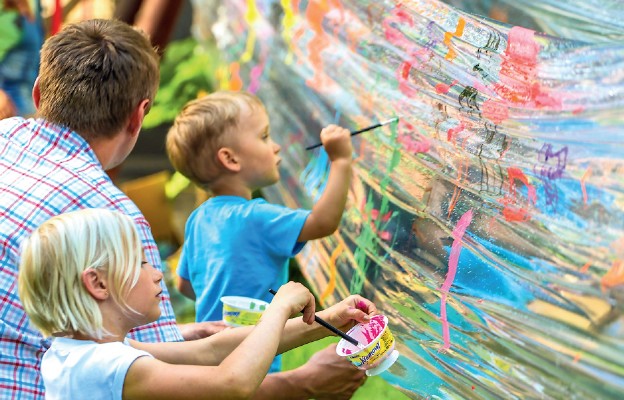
(238, 247)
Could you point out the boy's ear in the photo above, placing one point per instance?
(227, 157)
(95, 284)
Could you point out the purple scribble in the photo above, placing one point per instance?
(547, 157)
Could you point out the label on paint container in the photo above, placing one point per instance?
(375, 353)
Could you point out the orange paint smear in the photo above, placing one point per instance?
(459, 31)
(511, 212)
(583, 179)
(315, 14)
(236, 83)
(463, 167)
(585, 267)
(615, 276)
(331, 285)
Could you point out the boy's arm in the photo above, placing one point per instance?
(327, 212)
(184, 287)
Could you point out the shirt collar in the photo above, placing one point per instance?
(43, 137)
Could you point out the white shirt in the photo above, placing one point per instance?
(75, 369)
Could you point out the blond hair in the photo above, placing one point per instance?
(93, 74)
(58, 252)
(199, 130)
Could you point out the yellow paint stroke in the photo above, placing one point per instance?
(331, 285)
(459, 31)
(615, 276)
(251, 15)
(288, 24)
(583, 179)
(222, 76)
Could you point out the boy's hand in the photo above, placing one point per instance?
(298, 299)
(337, 142)
(349, 312)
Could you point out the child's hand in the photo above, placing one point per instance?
(350, 311)
(337, 142)
(298, 298)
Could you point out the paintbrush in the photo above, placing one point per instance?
(389, 121)
(331, 328)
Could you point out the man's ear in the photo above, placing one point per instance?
(36, 94)
(227, 157)
(137, 116)
(95, 284)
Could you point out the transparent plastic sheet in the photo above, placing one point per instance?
(488, 224)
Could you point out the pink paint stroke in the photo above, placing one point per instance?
(458, 234)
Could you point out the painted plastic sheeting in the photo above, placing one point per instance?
(591, 21)
(488, 223)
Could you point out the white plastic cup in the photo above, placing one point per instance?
(242, 311)
(378, 353)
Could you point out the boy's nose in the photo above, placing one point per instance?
(277, 148)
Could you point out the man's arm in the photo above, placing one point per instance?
(325, 376)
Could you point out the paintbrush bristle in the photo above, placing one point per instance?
(389, 121)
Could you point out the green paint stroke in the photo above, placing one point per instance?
(367, 240)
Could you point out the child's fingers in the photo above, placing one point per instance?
(309, 310)
(367, 306)
(357, 315)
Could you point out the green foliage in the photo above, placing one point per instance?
(186, 70)
(10, 34)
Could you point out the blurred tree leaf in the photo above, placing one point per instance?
(10, 34)
(186, 70)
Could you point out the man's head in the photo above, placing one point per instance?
(94, 75)
(224, 132)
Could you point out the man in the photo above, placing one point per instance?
(96, 83)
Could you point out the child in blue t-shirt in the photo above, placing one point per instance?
(235, 245)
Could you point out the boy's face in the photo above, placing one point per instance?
(257, 152)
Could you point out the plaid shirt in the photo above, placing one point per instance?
(46, 170)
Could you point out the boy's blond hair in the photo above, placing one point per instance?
(93, 74)
(56, 254)
(198, 133)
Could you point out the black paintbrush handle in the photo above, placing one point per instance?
(329, 326)
(314, 146)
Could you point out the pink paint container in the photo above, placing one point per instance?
(378, 353)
